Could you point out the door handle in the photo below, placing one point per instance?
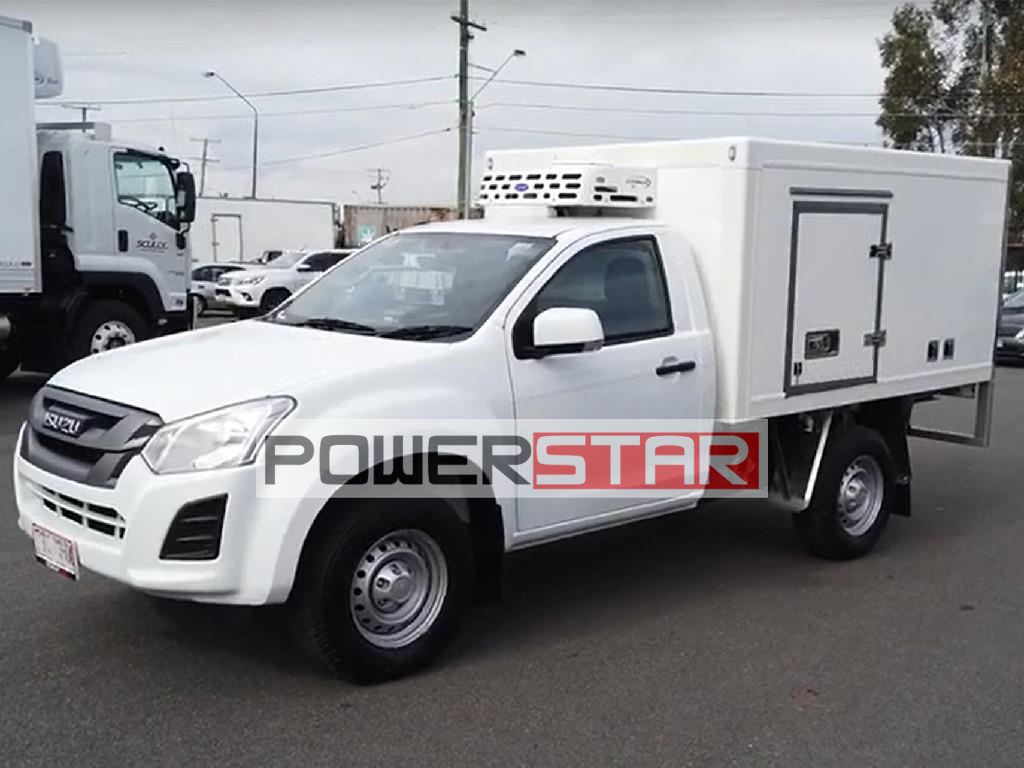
(122, 240)
(667, 368)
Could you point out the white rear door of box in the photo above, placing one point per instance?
(835, 287)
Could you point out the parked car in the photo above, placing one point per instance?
(261, 289)
(204, 281)
(1010, 334)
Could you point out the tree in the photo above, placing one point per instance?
(955, 83)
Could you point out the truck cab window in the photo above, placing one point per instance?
(145, 183)
(622, 281)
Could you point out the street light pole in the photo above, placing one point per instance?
(255, 125)
(467, 179)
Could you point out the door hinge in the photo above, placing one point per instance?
(881, 251)
(875, 339)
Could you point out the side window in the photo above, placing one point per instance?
(201, 274)
(622, 281)
(146, 184)
(321, 262)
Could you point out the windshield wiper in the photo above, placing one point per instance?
(334, 324)
(416, 332)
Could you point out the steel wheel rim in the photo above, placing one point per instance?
(398, 588)
(861, 493)
(111, 335)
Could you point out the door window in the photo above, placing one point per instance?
(622, 281)
(321, 262)
(143, 182)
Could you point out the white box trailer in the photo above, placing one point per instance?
(229, 229)
(19, 231)
(833, 275)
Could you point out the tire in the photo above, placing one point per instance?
(106, 324)
(272, 298)
(857, 463)
(198, 305)
(332, 588)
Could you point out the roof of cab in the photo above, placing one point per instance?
(561, 228)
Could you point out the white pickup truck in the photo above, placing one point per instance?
(731, 280)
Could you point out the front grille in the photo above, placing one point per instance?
(95, 517)
(108, 435)
(195, 532)
(1008, 330)
(222, 292)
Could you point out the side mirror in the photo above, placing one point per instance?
(562, 330)
(185, 200)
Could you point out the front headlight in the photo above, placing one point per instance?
(1020, 335)
(227, 437)
(250, 280)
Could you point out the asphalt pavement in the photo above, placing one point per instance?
(703, 639)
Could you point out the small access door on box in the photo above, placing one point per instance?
(837, 263)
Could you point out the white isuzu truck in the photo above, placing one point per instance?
(94, 251)
(819, 291)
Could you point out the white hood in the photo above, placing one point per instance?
(241, 274)
(188, 373)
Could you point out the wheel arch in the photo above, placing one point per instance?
(137, 290)
(479, 510)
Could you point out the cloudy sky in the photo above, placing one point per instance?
(823, 52)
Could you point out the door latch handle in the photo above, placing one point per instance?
(122, 240)
(666, 369)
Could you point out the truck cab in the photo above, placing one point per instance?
(95, 237)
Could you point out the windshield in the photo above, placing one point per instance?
(1016, 301)
(286, 260)
(417, 285)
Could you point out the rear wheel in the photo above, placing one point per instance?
(272, 298)
(383, 588)
(852, 497)
(198, 305)
(105, 325)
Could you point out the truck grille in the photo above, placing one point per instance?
(95, 517)
(107, 437)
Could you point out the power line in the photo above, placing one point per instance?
(734, 113)
(575, 134)
(272, 94)
(686, 91)
(288, 113)
(357, 148)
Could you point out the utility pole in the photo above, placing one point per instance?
(383, 177)
(85, 109)
(465, 36)
(204, 160)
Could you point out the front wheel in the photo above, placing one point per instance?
(105, 325)
(272, 298)
(852, 497)
(383, 587)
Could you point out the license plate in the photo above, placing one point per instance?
(56, 552)
(1000, 344)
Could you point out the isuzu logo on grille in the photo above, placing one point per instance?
(60, 422)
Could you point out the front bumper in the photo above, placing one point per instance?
(258, 550)
(237, 297)
(1009, 348)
